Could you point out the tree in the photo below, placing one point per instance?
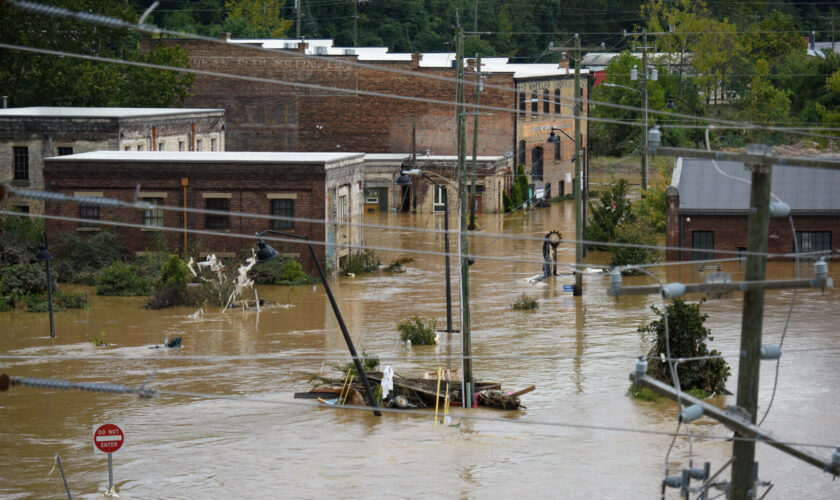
(765, 104)
(256, 18)
(612, 209)
(42, 80)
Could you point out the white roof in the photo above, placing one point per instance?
(208, 157)
(455, 158)
(80, 112)
(386, 156)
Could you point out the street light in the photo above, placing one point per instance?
(649, 73)
(404, 180)
(43, 255)
(265, 253)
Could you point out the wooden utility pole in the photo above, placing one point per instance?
(297, 13)
(743, 466)
(471, 226)
(645, 114)
(463, 248)
(578, 184)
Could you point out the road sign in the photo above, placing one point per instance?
(108, 438)
(568, 288)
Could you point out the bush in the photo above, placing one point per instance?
(366, 261)
(61, 301)
(611, 211)
(688, 336)
(397, 265)
(79, 259)
(25, 279)
(19, 239)
(171, 288)
(417, 331)
(525, 303)
(651, 208)
(123, 280)
(507, 204)
(369, 363)
(281, 271)
(637, 232)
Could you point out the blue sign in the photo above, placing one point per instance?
(568, 288)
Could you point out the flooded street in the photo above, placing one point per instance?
(262, 442)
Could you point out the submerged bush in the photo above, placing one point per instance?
(79, 259)
(123, 280)
(366, 261)
(397, 265)
(636, 232)
(25, 279)
(525, 303)
(281, 271)
(171, 288)
(417, 331)
(61, 301)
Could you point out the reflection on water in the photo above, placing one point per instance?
(180, 447)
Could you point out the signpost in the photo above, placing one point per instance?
(108, 438)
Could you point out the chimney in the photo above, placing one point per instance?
(415, 59)
(302, 46)
(225, 36)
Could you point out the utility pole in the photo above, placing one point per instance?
(463, 249)
(645, 115)
(355, 23)
(743, 466)
(475, 15)
(471, 226)
(297, 9)
(578, 290)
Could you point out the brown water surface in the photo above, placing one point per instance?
(262, 442)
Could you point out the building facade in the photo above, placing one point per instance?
(290, 186)
(30, 135)
(707, 211)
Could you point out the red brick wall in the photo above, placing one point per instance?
(271, 117)
(248, 185)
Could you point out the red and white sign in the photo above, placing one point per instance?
(108, 438)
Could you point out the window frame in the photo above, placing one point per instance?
(89, 213)
(64, 150)
(546, 101)
(216, 221)
(817, 241)
(276, 208)
(704, 252)
(20, 161)
(153, 217)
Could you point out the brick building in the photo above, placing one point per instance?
(301, 185)
(283, 117)
(490, 180)
(706, 211)
(29, 135)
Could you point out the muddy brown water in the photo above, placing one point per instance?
(264, 443)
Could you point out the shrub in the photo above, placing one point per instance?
(123, 280)
(79, 259)
(61, 301)
(369, 363)
(417, 331)
(19, 239)
(171, 288)
(24, 279)
(525, 303)
(397, 265)
(611, 211)
(366, 261)
(507, 204)
(651, 208)
(281, 271)
(636, 232)
(688, 336)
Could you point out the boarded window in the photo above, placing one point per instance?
(283, 208)
(217, 221)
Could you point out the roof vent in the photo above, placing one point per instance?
(290, 45)
(349, 52)
(321, 50)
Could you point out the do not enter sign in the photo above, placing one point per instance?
(108, 438)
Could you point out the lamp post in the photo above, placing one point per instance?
(43, 255)
(265, 253)
(404, 180)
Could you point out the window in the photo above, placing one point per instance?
(215, 221)
(438, 207)
(283, 208)
(180, 145)
(813, 241)
(140, 147)
(546, 101)
(522, 105)
(557, 153)
(128, 148)
(24, 209)
(557, 110)
(212, 144)
(65, 151)
(703, 243)
(21, 159)
(522, 148)
(161, 146)
(198, 145)
(535, 105)
(537, 164)
(89, 212)
(153, 217)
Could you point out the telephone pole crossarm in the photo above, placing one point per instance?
(742, 427)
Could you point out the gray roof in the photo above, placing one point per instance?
(705, 190)
(207, 157)
(81, 112)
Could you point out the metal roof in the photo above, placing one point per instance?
(704, 190)
(81, 112)
(208, 157)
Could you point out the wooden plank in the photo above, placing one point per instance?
(523, 391)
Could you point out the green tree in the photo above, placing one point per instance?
(612, 209)
(765, 103)
(635, 231)
(257, 18)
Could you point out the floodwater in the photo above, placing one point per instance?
(263, 443)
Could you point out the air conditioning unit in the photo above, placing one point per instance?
(321, 50)
(290, 45)
(349, 52)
